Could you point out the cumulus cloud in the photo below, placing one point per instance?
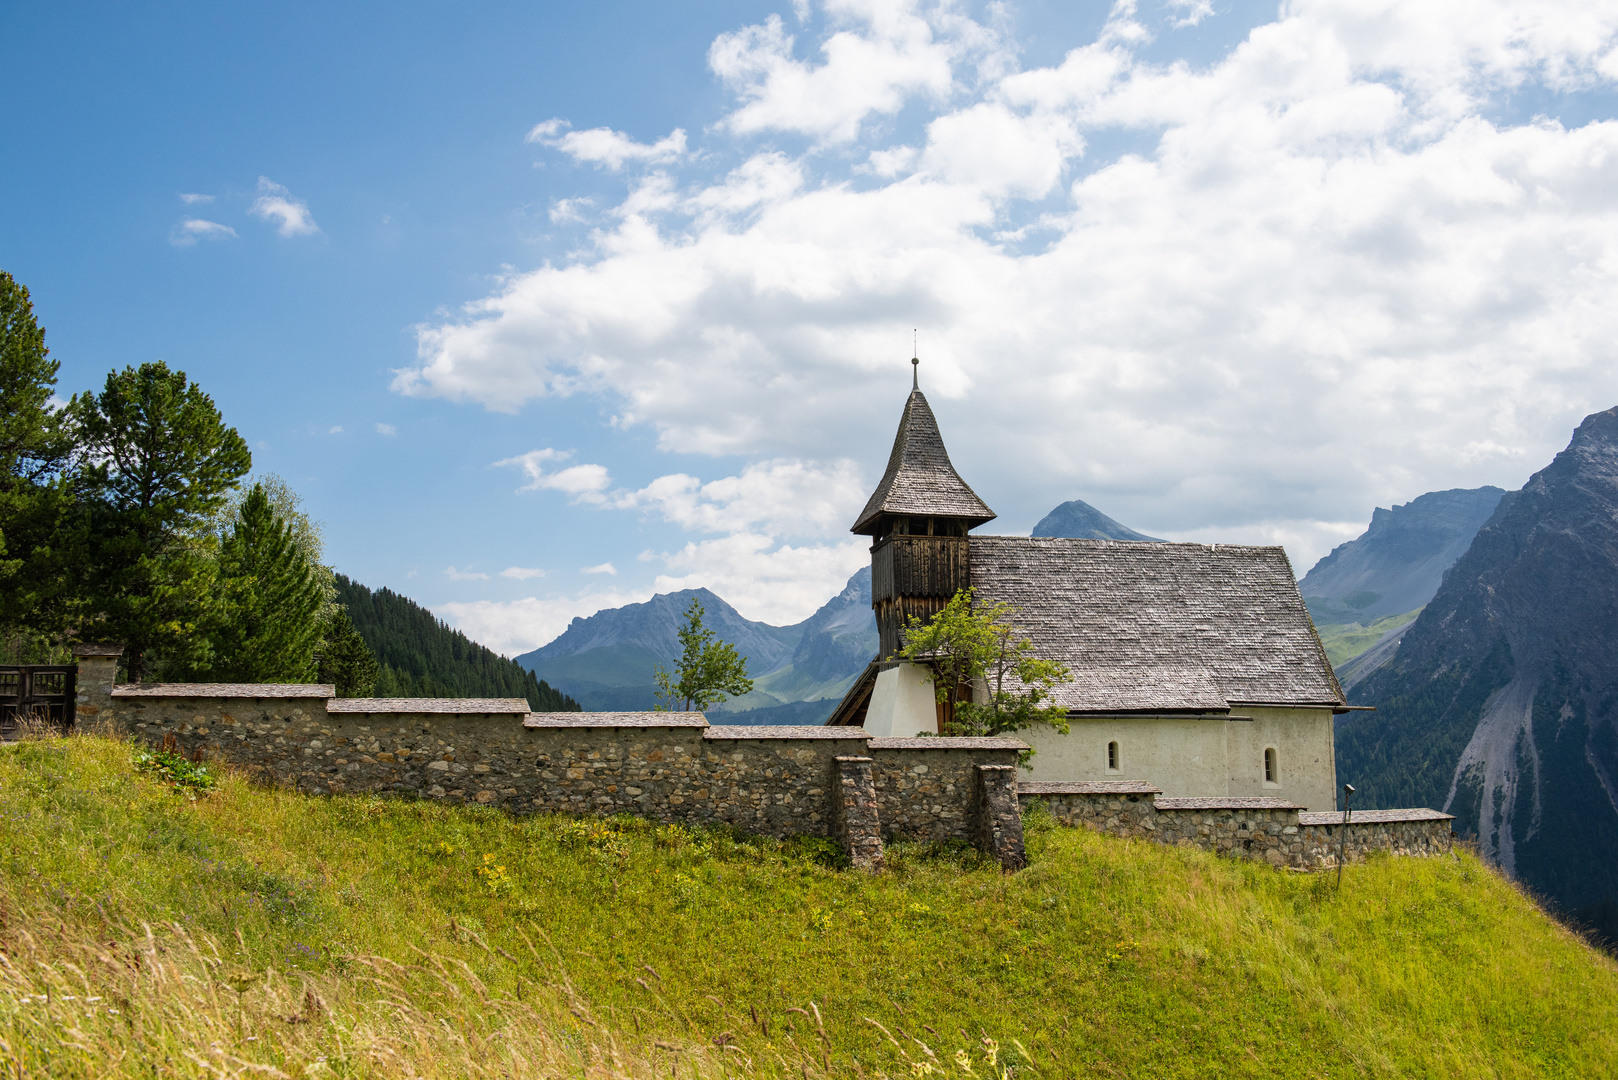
(1323, 272)
(189, 231)
(513, 627)
(585, 483)
(276, 204)
(522, 573)
(603, 568)
(386, 429)
(465, 575)
(335, 429)
(603, 146)
(191, 198)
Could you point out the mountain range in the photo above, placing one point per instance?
(800, 672)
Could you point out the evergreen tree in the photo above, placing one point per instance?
(269, 620)
(40, 534)
(709, 671)
(346, 661)
(158, 462)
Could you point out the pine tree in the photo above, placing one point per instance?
(40, 534)
(158, 462)
(346, 661)
(271, 601)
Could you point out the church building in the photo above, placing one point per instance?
(1194, 668)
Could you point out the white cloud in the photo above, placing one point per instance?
(513, 627)
(1191, 12)
(522, 573)
(465, 575)
(335, 429)
(276, 204)
(564, 210)
(1329, 274)
(192, 198)
(386, 429)
(189, 231)
(604, 568)
(603, 146)
(585, 483)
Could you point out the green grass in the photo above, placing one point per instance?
(1345, 641)
(358, 936)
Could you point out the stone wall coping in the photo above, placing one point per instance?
(427, 705)
(1232, 803)
(225, 690)
(949, 742)
(89, 650)
(784, 731)
(615, 720)
(1087, 787)
(1372, 817)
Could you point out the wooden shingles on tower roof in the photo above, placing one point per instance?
(1159, 626)
(920, 481)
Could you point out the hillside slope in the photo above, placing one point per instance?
(422, 657)
(262, 932)
(1501, 701)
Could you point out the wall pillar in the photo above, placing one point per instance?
(855, 821)
(98, 672)
(999, 818)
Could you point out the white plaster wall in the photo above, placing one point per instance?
(1306, 759)
(1184, 757)
(1200, 758)
(902, 703)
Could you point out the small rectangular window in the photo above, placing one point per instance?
(1112, 756)
(1271, 775)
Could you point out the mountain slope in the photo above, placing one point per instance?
(1078, 520)
(1501, 701)
(422, 657)
(607, 660)
(1397, 564)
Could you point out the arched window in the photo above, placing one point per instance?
(1272, 775)
(1112, 756)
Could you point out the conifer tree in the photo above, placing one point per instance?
(39, 533)
(346, 661)
(270, 617)
(158, 462)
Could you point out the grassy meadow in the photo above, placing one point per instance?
(150, 930)
(1345, 641)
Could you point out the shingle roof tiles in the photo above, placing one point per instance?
(920, 479)
(1157, 625)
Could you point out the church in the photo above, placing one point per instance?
(1194, 668)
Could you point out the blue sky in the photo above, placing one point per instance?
(513, 294)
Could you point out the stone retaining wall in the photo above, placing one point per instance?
(1271, 830)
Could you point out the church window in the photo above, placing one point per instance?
(1112, 756)
(1272, 775)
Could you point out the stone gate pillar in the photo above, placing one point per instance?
(855, 820)
(999, 818)
(98, 672)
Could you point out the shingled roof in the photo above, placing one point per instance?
(920, 479)
(1157, 626)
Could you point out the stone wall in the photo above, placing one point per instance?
(1271, 830)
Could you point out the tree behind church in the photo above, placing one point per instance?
(157, 463)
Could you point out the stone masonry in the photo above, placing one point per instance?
(1270, 830)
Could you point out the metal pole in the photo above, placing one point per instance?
(1342, 837)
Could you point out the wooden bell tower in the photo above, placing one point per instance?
(918, 519)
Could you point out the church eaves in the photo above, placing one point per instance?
(920, 481)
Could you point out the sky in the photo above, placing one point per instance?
(544, 308)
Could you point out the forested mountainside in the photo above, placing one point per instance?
(422, 657)
(1078, 520)
(1500, 704)
(799, 672)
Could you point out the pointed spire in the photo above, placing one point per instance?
(920, 480)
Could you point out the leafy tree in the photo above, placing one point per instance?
(981, 647)
(270, 617)
(709, 671)
(346, 660)
(40, 534)
(158, 463)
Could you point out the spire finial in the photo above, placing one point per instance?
(915, 362)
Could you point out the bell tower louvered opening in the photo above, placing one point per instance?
(918, 519)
